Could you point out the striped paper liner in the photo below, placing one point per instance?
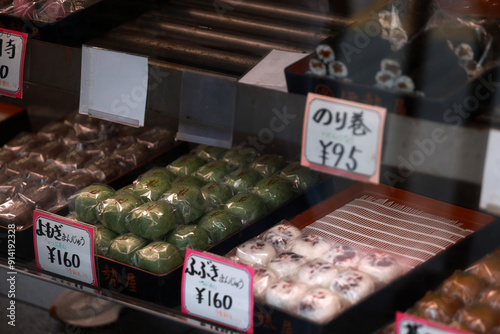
(369, 223)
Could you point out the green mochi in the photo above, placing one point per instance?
(299, 176)
(186, 165)
(87, 200)
(214, 171)
(191, 236)
(239, 157)
(152, 220)
(113, 211)
(274, 191)
(158, 257)
(159, 171)
(208, 153)
(220, 224)
(248, 206)
(188, 200)
(216, 193)
(268, 164)
(151, 188)
(124, 247)
(243, 179)
(102, 239)
(188, 179)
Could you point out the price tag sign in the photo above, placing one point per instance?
(408, 324)
(114, 86)
(218, 289)
(490, 192)
(343, 137)
(64, 247)
(12, 51)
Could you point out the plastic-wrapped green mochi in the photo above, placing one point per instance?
(207, 152)
(152, 220)
(299, 176)
(159, 171)
(239, 157)
(243, 179)
(216, 193)
(248, 206)
(214, 171)
(188, 179)
(151, 188)
(268, 164)
(113, 211)
(220, 224)
(102, 239)
(159, 257)
(191, 236)
(186, 165)
(274, 191)
(124, 247)
(87, 200)
(188, 200)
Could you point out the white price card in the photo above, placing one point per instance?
(12, 52)
(343, 137)
(218, 289)
(408, 324)
(64, 247)
(490, 190)
(114, 86)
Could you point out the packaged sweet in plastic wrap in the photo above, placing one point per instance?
(214, 171)
(239, 157)
(320, 305)
(152, 220)
(268, 164)
(286, 294)
(219, 224)
(158, 257)
(209, 153)
(302, 178)
(191, 236)
(188, 179)
(124, 247)
(151, 186)
(86, 201)
(216, 194)
(17, 211)
(188, 200)
(113, 211)
(248, 206)
(274, 191)
(255, 251)
(185, 165)
(281, 235)
(242, 180)
(102, 239)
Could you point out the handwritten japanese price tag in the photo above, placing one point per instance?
(408, 324)
(64, 247)
(219, 290)
(343, 137)
(12, 51)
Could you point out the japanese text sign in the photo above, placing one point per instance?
(218, 289)
(12, 52)
(408, 324)
(343, 137)
(64, 247)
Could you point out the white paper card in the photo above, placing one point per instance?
(490, 190)
(114, 86)
(270, 71)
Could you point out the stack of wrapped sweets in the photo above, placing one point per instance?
(468, 300)
(195, 201)
(312, 277)
(41, 170)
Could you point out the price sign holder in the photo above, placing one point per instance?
(408, 324)
(12, 52)
(490, 192)
(218, 290)
(343, 138)
(114, 86)
(64, 247)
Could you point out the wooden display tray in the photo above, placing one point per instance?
(378, 309)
